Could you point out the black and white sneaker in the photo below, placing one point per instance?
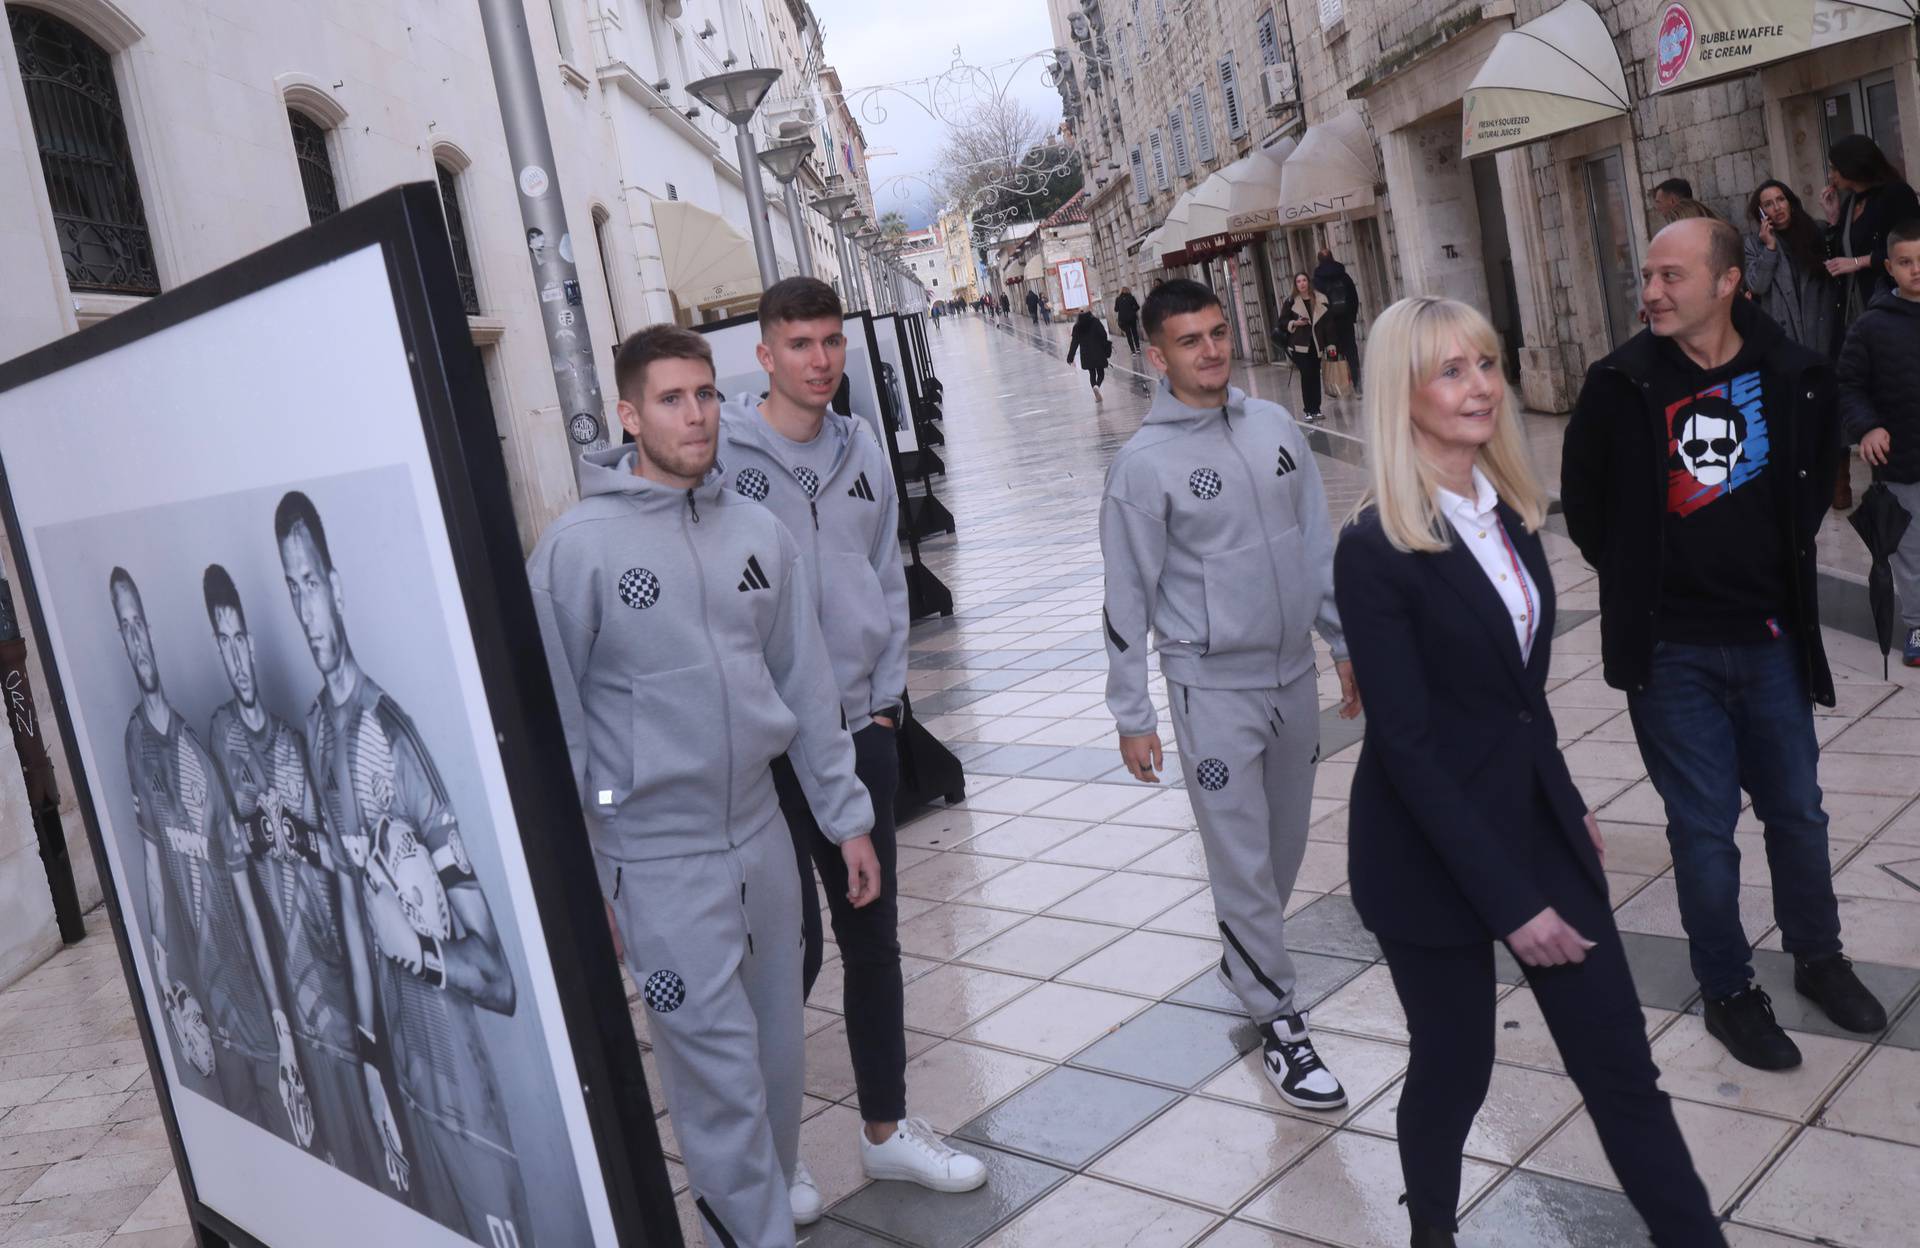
(1294, 1069)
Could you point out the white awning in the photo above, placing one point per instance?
(1332, 171)
(1171, 237)
(1556, 73)
(1036, 267)
(1241, 197)
(708, 261)
(1703, 40)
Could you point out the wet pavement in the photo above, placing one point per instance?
(1064, 1019)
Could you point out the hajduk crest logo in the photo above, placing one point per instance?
(1674, 45)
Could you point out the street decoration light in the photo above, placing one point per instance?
(783, 162)
(737, 96)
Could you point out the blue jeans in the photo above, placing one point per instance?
(1711, 721)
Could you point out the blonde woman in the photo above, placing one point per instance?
(1465, 826)
(1301, 318)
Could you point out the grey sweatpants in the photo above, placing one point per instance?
(1248, 757)
(713, 941)
(1906, 559)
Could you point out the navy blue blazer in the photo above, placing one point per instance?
(1460, 773)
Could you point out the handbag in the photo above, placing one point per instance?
(1336, 378)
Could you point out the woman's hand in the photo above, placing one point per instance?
(1830, 203)
(1766, 233)
(1546, 939)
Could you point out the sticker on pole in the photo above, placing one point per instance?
(566, 248)
(584, 428)
(533, 182)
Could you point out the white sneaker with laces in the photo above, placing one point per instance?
(804, 1195)
(914, 1154)
(1294, 1069)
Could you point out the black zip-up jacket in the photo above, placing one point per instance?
(1880, 381)
(1126, 310)
(1613, 487)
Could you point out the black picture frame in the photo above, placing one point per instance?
(468, 469)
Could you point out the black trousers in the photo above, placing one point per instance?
(1097, 375)
(869, 938)
(1132, 330)
(1594, 1015)
(1341, 334)
(1308, 364)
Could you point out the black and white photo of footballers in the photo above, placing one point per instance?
(312, 913)
(427, 918)
(210, 958)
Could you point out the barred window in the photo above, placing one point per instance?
(77, 125)
(457, 237)
(316, 166)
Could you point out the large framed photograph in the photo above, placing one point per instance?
(266, 544)
(895, 395)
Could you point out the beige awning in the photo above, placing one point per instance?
(1556, 73)
(1239, 198)
(1699, 41)
(708, 261)
(1036, 267)
(1332, 171)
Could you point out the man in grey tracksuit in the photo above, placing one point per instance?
(686, 655)
(827, 478)
(1215, 535)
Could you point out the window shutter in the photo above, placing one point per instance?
(1140, 192)
(1230, 98)
(1202, 124)
(1332, 11)
(1269, 39)
(1158, 151)
(1177, 133)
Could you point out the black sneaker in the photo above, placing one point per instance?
(1294, 1069)
(1829, 982)
(1744, 1022)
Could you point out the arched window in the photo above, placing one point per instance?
(316, 166)
(457, 236)
(75, 110)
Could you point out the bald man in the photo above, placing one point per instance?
(1696, 471)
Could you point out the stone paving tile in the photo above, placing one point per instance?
(1089, 1050)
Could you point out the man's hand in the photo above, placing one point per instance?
(1349, 690)
(1546, 939)
(386, 1126)
(393, 933)
(1876, 446)
(1599, 842)
(1142, 756)
(885, 721)
(863, 870)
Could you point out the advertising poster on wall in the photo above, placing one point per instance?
(281, 613)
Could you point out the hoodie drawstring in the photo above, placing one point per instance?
(693, 507)
(814, 507)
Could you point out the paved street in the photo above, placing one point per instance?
(1064, 1016)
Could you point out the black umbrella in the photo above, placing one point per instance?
(1880, 521)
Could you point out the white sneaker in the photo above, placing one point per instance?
(916, 1155)
(804, 1195)
(1294, 1069)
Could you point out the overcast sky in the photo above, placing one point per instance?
(872, 43)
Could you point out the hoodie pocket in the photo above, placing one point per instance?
(679, 741)
(763, 727)
(1244, 611)
(853, 614)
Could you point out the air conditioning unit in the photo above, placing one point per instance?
(1278, 84)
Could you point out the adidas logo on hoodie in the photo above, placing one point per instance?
(862, 490)
(754, 578)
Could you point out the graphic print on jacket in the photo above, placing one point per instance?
(1716, 442)
(1216, 538)
(843, 513)
(669, 617)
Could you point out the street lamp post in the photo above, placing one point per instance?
(833, 208)
(851, 224)
(737, 97)
(783, 162)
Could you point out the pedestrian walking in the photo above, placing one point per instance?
(830, 483)
(1219, 553)
(1331, 279)
(1033, 306)
(1006, 304)
(1786, 268)
(1126, 314)
(1305, 318)
(1465, 827)
(677, 691)
(1695, 474)
(1090, 341)
(1880, 403)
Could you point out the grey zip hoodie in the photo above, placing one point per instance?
(1214, 531)
(848, 530)
(686, 656)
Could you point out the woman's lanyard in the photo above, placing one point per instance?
(1526, 594)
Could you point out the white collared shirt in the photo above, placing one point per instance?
(1477, 521)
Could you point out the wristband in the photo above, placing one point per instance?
(373, 1049)
(281, 1029)
(433, 965)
